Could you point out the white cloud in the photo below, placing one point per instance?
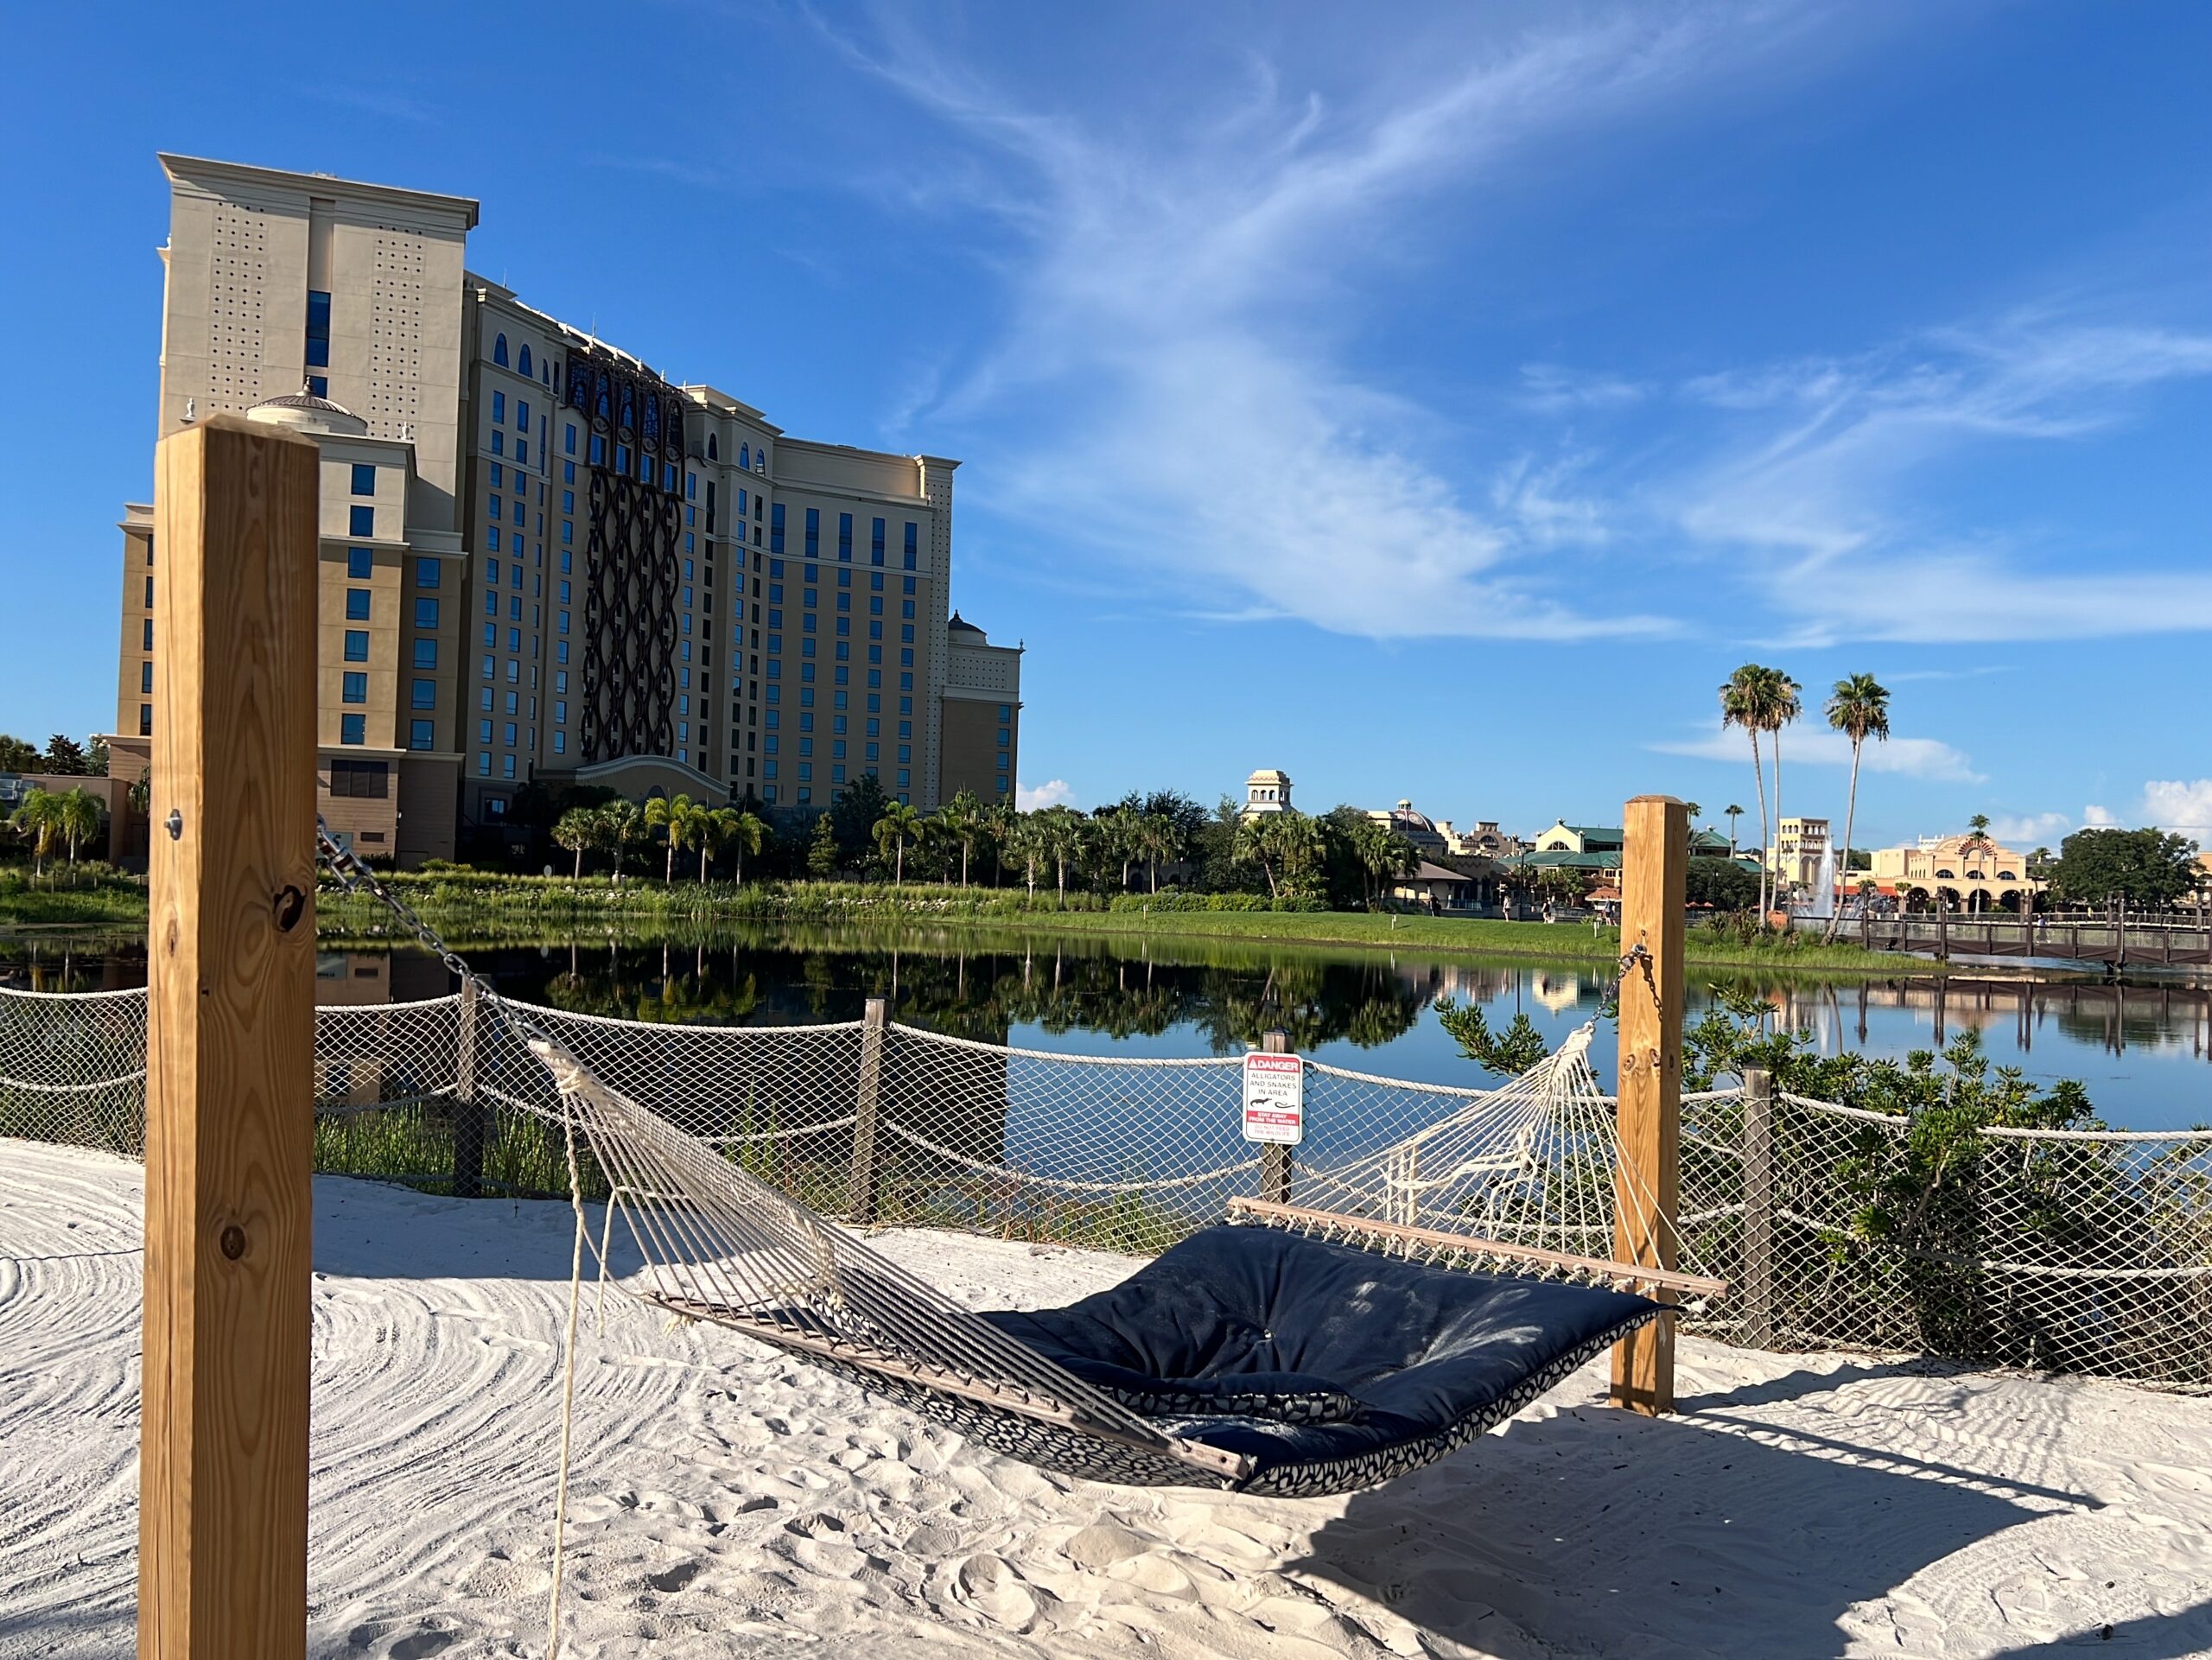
(2184, 807)
(1054, 792)
(2097, 818)
(1926, 758)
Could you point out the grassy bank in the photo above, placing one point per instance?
(486, 906)
(479, 904)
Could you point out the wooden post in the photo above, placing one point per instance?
(468, 1111)
(868, 1104)
(1274, 1158)
(229, 1083)
(1655, 857)
(1758, 1270)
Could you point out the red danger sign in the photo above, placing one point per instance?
(1274, 1099)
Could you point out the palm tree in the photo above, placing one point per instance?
(1023, 837)
(960, 820)
(1733, 812)
(1786, 707)
(670, 815)
(1253, 844)
(1062, 835)
(80, 813)
(1745, 697)
(1121, 836)
(1383, 854)
(578, 830)
(620, 824)
(38, 820)
(1758, 700)
(1859, 709)
(900, 824)
(1163, 842)
(746, 831)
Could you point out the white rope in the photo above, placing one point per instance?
(567, 1383)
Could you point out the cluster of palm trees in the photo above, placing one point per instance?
(1761, 700)
(682, 823)
(49, 819)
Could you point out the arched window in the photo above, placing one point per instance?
(713, 453)
(522, 364)
(745, 458)
(500, 350)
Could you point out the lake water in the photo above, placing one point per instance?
(2144, 1049)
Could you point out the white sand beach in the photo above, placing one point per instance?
(728, 1502)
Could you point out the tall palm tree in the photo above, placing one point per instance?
(1747, 700)
(1733, 813)
(709, 828)
(1859, 709)
(1253, 844)
(900, 824)
(1121, 836)
(1784, 708)
(577, 831)
(1163, 842)
(1023, 837)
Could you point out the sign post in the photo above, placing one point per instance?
(1274, 1112)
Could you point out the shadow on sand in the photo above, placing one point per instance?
(1599, 1533)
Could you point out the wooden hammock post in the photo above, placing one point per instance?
(1655, 858)
(230, 1076)
(467, 1113)
(1275, 1157)
(1758, 1206)
(867, 1105)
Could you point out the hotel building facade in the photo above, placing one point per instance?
(541, 561)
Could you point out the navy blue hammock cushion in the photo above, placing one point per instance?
(1330, 1367)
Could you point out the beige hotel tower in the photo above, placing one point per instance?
(541, 560)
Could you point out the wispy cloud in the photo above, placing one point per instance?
(1816, 480)
(1923, 758)
(1175, 354)
(2026, 831)
(390, 104)
(659, 167)
(2183, 807)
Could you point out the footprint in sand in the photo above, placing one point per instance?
(994, 1590)
(675, 1579)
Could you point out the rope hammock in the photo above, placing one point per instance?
(1228, 1362)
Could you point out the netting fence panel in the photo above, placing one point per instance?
(1124, 1153)
(72, 1069)
(2087, 1251)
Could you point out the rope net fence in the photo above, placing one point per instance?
(2087, 1251)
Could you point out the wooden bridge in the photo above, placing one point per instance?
(2116, 942)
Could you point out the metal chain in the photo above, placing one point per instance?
(357, 878)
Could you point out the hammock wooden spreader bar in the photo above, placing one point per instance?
(1333, 1222)
(941, 1380)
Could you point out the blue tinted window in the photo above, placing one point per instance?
(356, 604)
(745, 457)
(522, 411)
(814, 533)
(358, 563)
(426, 613)
(352, 728)
(492, 539)
(357, 646)
(776, 528)
(426, 573)
(420, 736)
(364, 478)
(356, 688)
(426, 654)
(423, 694)
(499, 405)
(522, 362)
(361, 521)
(569, 438)
(318, 385)
(318, 331)
(500, 350)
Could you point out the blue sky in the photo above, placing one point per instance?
(1440, 412)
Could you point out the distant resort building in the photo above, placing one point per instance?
(1595, 850)
(1974, 874)
(1426, 837)
(1800, 845)
(1267, 790)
